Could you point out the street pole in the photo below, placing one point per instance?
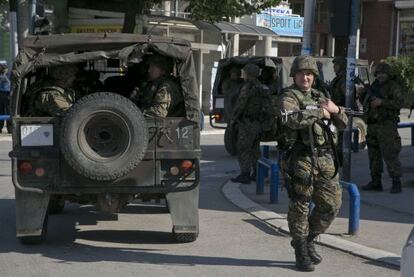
(308, 27)
(350, 76)
(14, 48)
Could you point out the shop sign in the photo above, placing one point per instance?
(282, 25)
(96, 29)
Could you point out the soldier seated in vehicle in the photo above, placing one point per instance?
(53, 95)
(162, 96)
(135, 76)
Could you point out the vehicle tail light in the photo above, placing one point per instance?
(25, 167)
(217, 116)
(186, 166)
(39, 172)
(174, 170)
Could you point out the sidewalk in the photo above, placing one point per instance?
(386, 219)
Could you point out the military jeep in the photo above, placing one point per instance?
(282, 66)
(103, 150)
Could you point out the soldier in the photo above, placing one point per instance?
(231, 89)
(54, 95)
(308, 134)
(382, 104)
(162, 96)
(269, 78)
(251, 111)
(4, 97)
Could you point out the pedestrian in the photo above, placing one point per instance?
(251, 113)
(382, 104)
(4, 97)
(307, 144)
(162, 96)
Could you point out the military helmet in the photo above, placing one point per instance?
(304, 62)
(61, 72)
(341, 61)
(162, 62)
(383, 68)
(252, 70)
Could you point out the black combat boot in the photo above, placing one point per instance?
(243, 178)
(303, 261)
(396, 185)
(375, 184)
(313, 255)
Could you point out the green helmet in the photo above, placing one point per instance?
(252, 70)
(383, 68)
(304, 63)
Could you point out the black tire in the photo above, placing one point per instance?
(56, 205)
(103, 136)
(36, 239)
(362, 128)
(230, 141)
(185, 237)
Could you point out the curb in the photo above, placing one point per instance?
(235, 195)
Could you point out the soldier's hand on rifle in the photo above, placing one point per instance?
(330, 106)
(375, 102)
(326, 114)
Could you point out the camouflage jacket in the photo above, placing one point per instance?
(166, 98)
(337, 89)
(305, 114)
(390, 93)
(44, 98)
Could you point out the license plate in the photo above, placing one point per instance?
(36, 135)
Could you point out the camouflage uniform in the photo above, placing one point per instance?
(231, 90)
(383, 140)
(308, 164)
(163, 98)
(47, 98)
(249, 112)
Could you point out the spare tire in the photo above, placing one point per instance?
(103, 136)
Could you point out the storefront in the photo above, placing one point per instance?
(405, 28)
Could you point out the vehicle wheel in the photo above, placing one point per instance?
(36, 239)
(103, 136)
(230, 141)
(362, 128)
(185, 237)
(56, 205)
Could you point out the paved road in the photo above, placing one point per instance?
(83, 242)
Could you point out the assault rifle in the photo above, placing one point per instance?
(285, 113)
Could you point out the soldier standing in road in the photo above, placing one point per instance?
(162, 96)
(308, 135)
(251, 112)
(382, 106)
(54, 95)
(231, 89)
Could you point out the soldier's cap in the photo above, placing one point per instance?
(252, 70)
(161, 62)
(61, 72)
(304, 62)
(383, 68)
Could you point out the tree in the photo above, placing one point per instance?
(403, 68)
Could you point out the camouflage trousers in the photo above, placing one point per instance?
(248, 145)
(384, 142)
(311, 183)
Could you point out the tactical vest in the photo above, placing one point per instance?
(260, 104)
(310, 100)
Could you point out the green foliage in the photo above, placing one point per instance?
(403, 68)
(218, 10)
